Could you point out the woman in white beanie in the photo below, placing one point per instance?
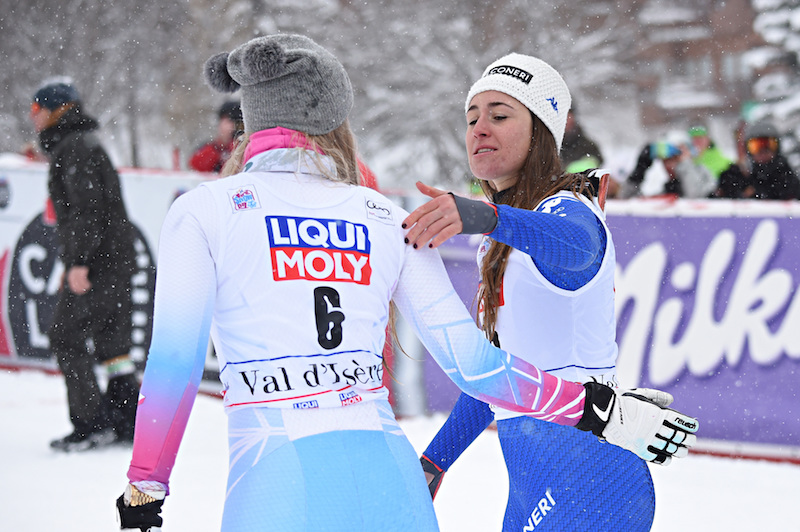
(547, 293)
(291, 267)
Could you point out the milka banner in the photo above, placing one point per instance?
(708, 308)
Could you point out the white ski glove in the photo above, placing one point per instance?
(638, 420)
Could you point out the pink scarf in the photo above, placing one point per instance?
(275, 138)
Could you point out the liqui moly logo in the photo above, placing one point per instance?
(318, 249)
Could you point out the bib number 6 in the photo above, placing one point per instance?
(329, 319)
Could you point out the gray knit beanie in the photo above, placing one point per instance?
(286, 80)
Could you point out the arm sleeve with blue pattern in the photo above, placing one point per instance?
(468, 419)
(567, 245)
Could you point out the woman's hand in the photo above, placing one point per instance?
(434, 222)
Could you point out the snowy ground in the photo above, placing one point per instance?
(44, 491)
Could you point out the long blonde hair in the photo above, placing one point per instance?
(541, 176)
(339, 145)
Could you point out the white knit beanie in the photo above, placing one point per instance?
(534, 83)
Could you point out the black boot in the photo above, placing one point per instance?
(86, 436)
(122, 395)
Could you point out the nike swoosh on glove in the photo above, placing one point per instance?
(638, 420)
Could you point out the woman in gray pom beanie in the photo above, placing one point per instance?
(547, 267)
(293, 268)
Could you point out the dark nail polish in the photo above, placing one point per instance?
(406, 240)
(415, 246)
(404, 226)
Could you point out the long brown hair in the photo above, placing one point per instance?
(541, 176)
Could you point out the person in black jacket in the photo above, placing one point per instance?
(771, 177)
(578, 151)
(97, 252)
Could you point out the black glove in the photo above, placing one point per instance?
(477, 217)
(135, 513)
(436, 471)
(645, 157)
(642, 164)
(638, 420)
(594, 176)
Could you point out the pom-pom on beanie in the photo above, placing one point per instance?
(532, 82)
(286, 80)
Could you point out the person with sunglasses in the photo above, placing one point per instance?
(728, 175)
(686, 178)
(771, 176)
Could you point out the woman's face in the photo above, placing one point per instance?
(498, 138)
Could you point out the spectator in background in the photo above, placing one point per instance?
(742, 160)
(685, 178)
(211, 156)
(771, 176)
(579, 152)
(94, 300)
(705, 152)
(367, 176)
(726, 173)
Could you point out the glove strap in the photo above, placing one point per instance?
(144, 492)
(134, 497)
(597, 408)
(438, 473)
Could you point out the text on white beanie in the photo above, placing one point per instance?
(532, 82)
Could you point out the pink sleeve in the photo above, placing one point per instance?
(184, 302)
